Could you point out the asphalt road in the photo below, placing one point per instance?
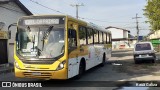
(120, 67)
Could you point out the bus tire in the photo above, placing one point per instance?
(104, 60)
(81, 68)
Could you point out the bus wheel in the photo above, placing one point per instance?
(81, 69)
(104, 60)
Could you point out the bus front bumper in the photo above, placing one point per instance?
(41, 74)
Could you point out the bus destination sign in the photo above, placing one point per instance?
(40, 21)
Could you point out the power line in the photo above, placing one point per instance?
(46, 7)
(145, 29)
(106, 20)
(103, 20)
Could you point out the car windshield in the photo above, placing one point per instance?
(143, 46)
(41, 42)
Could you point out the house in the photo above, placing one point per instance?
(154, 37)
(120, 37)
(11, 11)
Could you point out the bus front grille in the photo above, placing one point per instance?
(42, 75)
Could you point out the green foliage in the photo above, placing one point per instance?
(152, 12)
(82, 34)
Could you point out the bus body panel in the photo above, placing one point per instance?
(93, 57)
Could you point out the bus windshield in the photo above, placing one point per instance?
(40, 41)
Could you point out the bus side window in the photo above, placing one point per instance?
(72, 38)
(83, 35)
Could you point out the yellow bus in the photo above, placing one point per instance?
(58, 47)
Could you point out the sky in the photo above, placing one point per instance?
(105, 13)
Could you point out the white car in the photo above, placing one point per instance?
(144, 51)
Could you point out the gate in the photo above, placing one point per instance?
(3, 47)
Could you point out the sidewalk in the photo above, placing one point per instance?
(6, 68)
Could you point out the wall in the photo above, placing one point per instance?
(119, 34)
(116, 33)
(155, 38)
(120, 44)
(9, 17)
(154, 35)
(125, 34)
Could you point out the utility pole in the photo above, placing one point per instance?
(137, 27)
(77, 6)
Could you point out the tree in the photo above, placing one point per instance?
(152, 12)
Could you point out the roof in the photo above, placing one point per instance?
(19, 4)
(131, 36)
(152, 32)
(92, 25)
(4, 1)
(117, 28)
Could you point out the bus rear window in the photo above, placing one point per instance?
(144, 46)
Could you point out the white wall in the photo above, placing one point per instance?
(116, 33)
(119, 34)
(154, 35)
(116, 44)
(125, 34)
(9, 17)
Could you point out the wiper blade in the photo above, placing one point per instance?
(39, 51)
(47, 33)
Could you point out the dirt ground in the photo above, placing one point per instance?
(144, 71)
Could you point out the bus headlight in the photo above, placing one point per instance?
(16, 64)
(61, 65)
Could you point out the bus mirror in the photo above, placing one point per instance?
(9, 31)
(13, 24)
(72, 33)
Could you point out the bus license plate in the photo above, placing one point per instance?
(36, 73)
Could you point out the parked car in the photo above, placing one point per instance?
(144, 51)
